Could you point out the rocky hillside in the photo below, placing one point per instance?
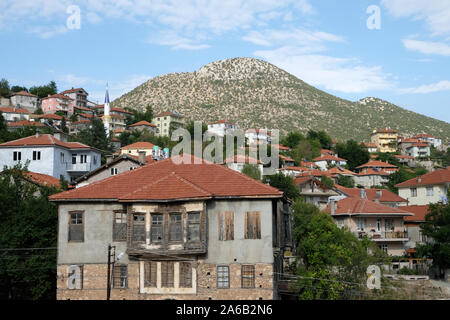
(257, 94)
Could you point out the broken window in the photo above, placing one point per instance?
(248, 276)
(138, 227)
(120, 226)
(223, 277)
(157, 228)
(185, 275)
(167, 274)
(76, 230)
(226, 226)
(150, 269)
(194, 226)
(175, 227)
(252, 225)
(120, 276)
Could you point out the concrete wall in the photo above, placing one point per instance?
(44, 166)
(29, 103)
(422, 197)
(370, 181)
(240, 250)
(121, 166)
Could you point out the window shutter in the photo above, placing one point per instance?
(221, 222)
(229, 223)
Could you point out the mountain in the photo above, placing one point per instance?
(257, 94)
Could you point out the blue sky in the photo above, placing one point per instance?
(325, 43)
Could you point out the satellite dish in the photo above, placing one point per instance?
(120, 256)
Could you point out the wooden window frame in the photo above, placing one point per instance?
(255, 217)
(169, 221)
(220, 274)
(249, 275)
(69, 224)
(123, 218)
(196, 223)
(150, 274)
(165, 274)
(185, 281)
(226, 225)
(120, 276)
(133, 227)
(152, 215)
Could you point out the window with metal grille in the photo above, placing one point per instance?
(252, 225)
(138, 227)
(120, 226)
(248, 276)
(76, 229)
(185, 275)
(167, 274)
(120, 276)
(157, 228)
(223, 277)
(150, 271)
(175, 227)
(226, 226)
(194, 226)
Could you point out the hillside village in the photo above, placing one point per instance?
(127, 215)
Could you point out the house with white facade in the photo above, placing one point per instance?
(428, 138)
(237, 163)
(429, 188)
(326, 161)
(15, 114)
(48, 155)
(419, 150)
(255, 136)
(221, 128)
(24, 100)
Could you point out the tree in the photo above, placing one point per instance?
(306, 150)
(18, 89)
(327, 181)
(4, 87)
(285, 184)
(95, 136)
(400, 176)
(389, 157)
(191, 125)
(252, 171)
(331, 262)
(27, 220)
(437, 228)
(354, 153)
(346, 181)
(64, 125)
(39, 111)
(325, 140)
(44, 91)
(293, 139)
(138, 116)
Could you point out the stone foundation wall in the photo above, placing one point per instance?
(95, 284)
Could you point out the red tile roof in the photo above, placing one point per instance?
(121, 110)
(373, 172)
(44, 140)
(143, 123)
(385, 131)
(419, 144)
(23, 93)
(410, 140)
(326, 151)
(335, 170)
(437, 177)
(299, 169)
(168, 180)
(284, 158)
(82, 108)
(419, 213)
(139, 145)
(359, 206)
(281, 147)
(386, 195)
(328, 157)
(58, 96)
(376, 164)
(73, 90)
(50, 116)
(42, 179)
(404, 157)
(14, 110)
(25, 123)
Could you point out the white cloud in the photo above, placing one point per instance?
(173, 40)
(429, 88)
(337, 74)
(48, 32)
(436, 13)
(427, 47)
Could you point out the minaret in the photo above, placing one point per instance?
(106, 112)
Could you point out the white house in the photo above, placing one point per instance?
(237, 163)
(15, 114)
(254, 136)
(24, 100)
(428, 138)
(49, 155)
(419, 150)
(429, 188)
(221, 128)
(326, 161)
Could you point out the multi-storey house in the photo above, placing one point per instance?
(385, 140)
(168, 121)
(57, 102)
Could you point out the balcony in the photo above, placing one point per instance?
(384, 235)
(78, 167)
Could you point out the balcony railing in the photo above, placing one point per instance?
(383, 235)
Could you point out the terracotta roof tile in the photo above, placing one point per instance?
(143, 123)
(14, 110)
(44, 140)
(139, 145)
(437, 177)
(376, 164)
(23, 93)
(42, 179)
(386, 195)
(25, 123)
(328, 157)
(419, 213)
(357, 206)
(242, 159)
(168, 180)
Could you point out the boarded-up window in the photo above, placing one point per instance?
(138, 227)
(194, 226)
(223, 277)
(150, 269)
(157, 228)
(120, 226)
(175, 227)
(252, 225)
(120, 276)
(167, 274)
(226, 226)
(76, 228)
(248, 276)
(185, 275)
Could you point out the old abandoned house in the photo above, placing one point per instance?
(187, 231)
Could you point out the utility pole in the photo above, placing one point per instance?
(111, 254)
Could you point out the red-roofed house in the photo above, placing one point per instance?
(419, 150)
(184, 231)
(78, 95)
(168, 120)
(221, 128)
(15, 114)
(326, 160)
(413, 223)
(371, 177)
(51, 156)
(378, 165)
(135, 148)
(383, 224)
(428, 138)
(57, 102)
(382, 196)
(429, 188)
(144, 125)
(315, 192)
(24, 123)
(237, 163)
(385, 140)
(24, 100)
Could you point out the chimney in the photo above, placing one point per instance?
(109, 159)
(333, 206)
(142, 155)
(363, 193)
(379, 194)
(38, 134)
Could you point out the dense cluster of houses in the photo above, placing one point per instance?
(201, 230)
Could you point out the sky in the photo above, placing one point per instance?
(396, 50)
